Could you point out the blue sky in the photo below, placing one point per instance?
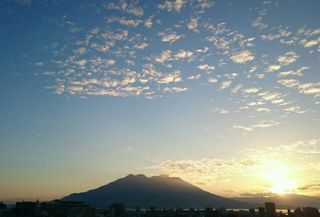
(211, 91)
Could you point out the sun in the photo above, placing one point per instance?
(279, 178)
(283, 185)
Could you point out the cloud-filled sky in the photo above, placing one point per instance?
(211, 91)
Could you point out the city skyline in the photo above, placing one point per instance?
(224, 94)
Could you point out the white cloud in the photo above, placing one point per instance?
(82, 62)
(288, 58)
(221, 110)
(171, 5)
(175, 89)
(242, 57)
(294, 109)
(289, 82)
(225, 84)
(251, 90)
(273, 68)
(205, 67)
(170, 37)
(137, 11)
(272, 96)
(263, 110)
(212, 80)
(170, 77)
(163, 56)
(258, 21)
(141, 46)
(148, 23)
(310, 88)
(125, 22)
(310, 43)
(183, 54)
(245, 128)
(194, 77)
(260, 124)
(193, 24)
(299, 72)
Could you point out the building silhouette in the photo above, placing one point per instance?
(270, 209)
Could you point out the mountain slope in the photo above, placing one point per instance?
(159, 191)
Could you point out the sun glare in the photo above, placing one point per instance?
(283, 186)
(279, 178)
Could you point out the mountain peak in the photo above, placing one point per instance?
(136, 176)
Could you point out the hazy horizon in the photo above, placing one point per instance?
(224, 94)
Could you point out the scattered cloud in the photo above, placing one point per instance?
(288, 58)
(242, 57)
(205, 67)
(170, 37)
(221, 110)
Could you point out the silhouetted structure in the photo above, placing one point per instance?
(2, 205)
(261, 211)
(270, 209)
(310, 212)
(27, 209)
(117, 210)
(69, 209)
(60, 208)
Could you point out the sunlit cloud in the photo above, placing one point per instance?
(172, 5)
(170, 37)
(242, 57)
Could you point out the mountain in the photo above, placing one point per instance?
(284, 201)
(158, 191)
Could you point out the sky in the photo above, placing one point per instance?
(224, 94)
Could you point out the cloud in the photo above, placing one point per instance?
(205, 67)
(251, 90)
(170, 37)
(171, 5)
(170, 78)
(272, 96)
(257, 194)
(141, 46)
(288, 58)
(175, 89)
(193, 24)
(183, 54)
(309, 187)
(241, 127)
(253, 166)
(163, 56)
(260, 124)
(310, 43)
(206, 170)
(263, 110)
(242, 57)
(310, 88)
(299, 72)
(127, 7)
(225, 84)
(221, 110)
(258, 21)
(194, 77)
(294, 109)
(125, 22)
(148, 23)
(212, 80)
(289, 82)
(273, 68)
